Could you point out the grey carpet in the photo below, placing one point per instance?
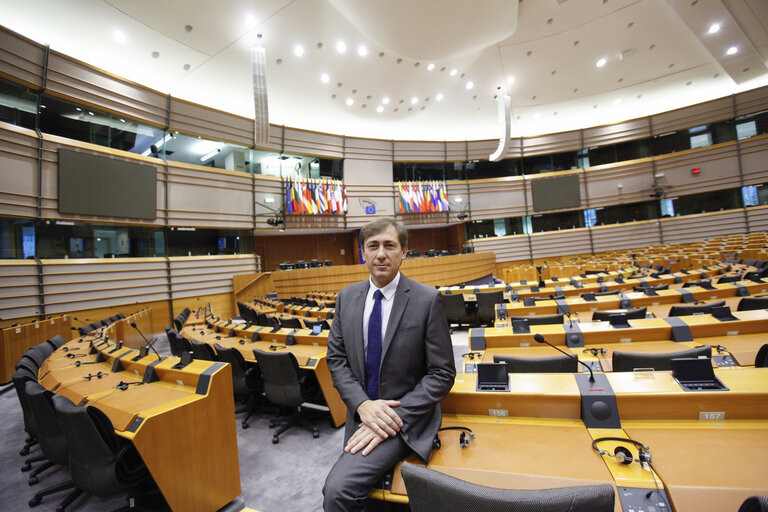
(282, 477)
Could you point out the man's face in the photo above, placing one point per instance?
(383, 255)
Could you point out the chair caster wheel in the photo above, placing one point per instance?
(26, 467)
(24, 451)
(275, 440)
(244, 425)
(315, 434)
(33, 480)
(35, 501)
(271, 424)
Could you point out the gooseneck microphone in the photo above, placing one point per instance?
(565, 312)
(149, 344)
(540, 339)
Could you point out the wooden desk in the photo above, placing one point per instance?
(712, 466)
(181, 424)
(16, 340)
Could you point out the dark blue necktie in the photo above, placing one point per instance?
(373, 355)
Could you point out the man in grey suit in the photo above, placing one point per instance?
(391, 358)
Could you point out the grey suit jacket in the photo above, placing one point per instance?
(417, 365)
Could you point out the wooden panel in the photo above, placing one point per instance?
(695, 115)
(368, 149)
(419, 151)
(552, 143)
(21, 58)
(208, 275)
(754, 160)
(556, 243)
(18, 171)
(506, 248)
(305, 142)
(210, 123)
(635, 178)
(498, 198)
(15, 340)
(615, 133)
(750, 102)
(19, 292)
(625, 236)
(273, 250)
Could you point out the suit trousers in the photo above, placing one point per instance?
(352, 476)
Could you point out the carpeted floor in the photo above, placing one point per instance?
(282, 477)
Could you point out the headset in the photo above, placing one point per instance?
(473, 355)
(464, 438)
(125, 385)
(622, 454)
(595, 351)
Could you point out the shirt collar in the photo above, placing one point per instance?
(387, 290)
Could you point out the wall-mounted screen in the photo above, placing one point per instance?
(556, 193)
(106, 187)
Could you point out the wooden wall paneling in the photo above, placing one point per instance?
(204, 197)
(750, 102)
(210, 123)
(758, 218)
(248, 286)
(361, 195)
(419, 151)
(557, 243)
(455, 151)
(268, 187)
(285, 247)
(625, 236)
(15, 340)
(635, 177)
(19, 292)
(308, 142)
(422, 240)
(82, 83)
(505, 248)
(368, 149)
(482, 149)
(21, 59)
(754, 160)
(692, 116)
(552, 143)
(18, 171)
(691, 228)
(498, 198)
(221, 304)
(199, 276)
(719, 169)
(633, 129)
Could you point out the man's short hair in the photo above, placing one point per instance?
(377, 226)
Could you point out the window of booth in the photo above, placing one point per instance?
(18, 104)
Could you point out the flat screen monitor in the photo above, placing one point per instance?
(556, 193)
(492, 377)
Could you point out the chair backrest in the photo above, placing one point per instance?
(202, 351)
(45, 348)
(554, 364)
(57, 341)
(35, 355)
(755, 504)
(539, 319)
(282, 383)
(752, 303)
(694, 309)
(322, 323)
(174, 341)
(761, 359)
(263, 320)
(49, 431)
(238, 364)
(454, 306)
(430, 490)
(604, 316)
(486, 305)
(290, 323)
(20, 378)
(728, 279)
(177, 323)
(628, 361)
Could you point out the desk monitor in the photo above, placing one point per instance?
(696, 374)
(492, 377)
(316, 329)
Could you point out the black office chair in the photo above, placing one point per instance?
(486, 306)
(250, 315)
(57, 341)
(322, 323)
(20, 377)
(604, 316)
(291, 323)
(761, 359)
(45, 349)
(177, 342)
(430, 490)
(456, 310)
(628, 361)
(246, 380)
(34, 355)
(102, 464)
(752, 303)
(728, 279)
(263, 320)
(695, 309)
(553, 364)
(539, 319)
(52, 442)
(755, 504)
(285, 386)
(202, 351)
(178, 323)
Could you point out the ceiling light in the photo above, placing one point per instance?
(470, 85)
(250, 20)
(536, 115)
(439, 96)
(430, 67)
(269, 199)
(454, 71)
(341, 47)
(379, 109)
(350, 102)
(510, 80)
(732, 50)
(325, 78)
(458, 199)
(600, 63)
(714, 28)
(617, 101)
(298, 50)
(362, 50)
(210, 155)
(78, 109)
(385, 100)
(121, 120)
(119, 36)
(414, 100)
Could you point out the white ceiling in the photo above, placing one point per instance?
(659, 56)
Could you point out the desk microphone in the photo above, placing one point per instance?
(84, 323)
(566, 313)
(540, 339)
(149, 344)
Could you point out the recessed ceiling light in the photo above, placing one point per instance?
(250, 20)
(470, 85)
(732, 50)
(536, 115)
(439, 96)
(385, 100)
(325, 78)
(430, 67)
(122, 120)
(454, 71)
(714, 28)
(600, 63)
(362, 50)
(510, 80)
(379, 109)
(341, 47)
(119, 36)
(298, 50)
(414, 100)
(617, 101)
(350, 102)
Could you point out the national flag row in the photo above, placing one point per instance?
(423, 196)
(315, 197)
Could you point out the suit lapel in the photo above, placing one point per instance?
(358, 342)
(398, 307)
